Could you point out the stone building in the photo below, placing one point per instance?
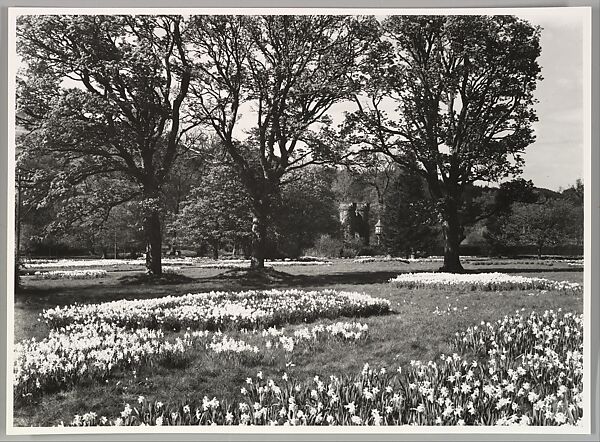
(354, 218)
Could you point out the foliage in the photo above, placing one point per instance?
(552, 222)
(216, 210)
(306, 210)
(575, 193)
(409, 220)
(326, 246)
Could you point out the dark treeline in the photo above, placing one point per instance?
(209, 215)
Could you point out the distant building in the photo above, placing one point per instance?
(354, 218)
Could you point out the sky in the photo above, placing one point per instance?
(556, 158)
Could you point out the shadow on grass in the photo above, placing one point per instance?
(358, 278)
(165, 278)
(252, 276)
(143, 286)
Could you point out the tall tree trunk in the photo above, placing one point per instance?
(153, 237)
(453, 236)
(215, 247)
(259, 240)
(152, 229)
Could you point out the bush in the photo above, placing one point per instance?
(326, 246)
(351, 248)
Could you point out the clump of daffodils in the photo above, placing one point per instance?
(91, 341)
(221, 310)
(71, 274)
(482, 281)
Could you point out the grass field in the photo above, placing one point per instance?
(420, 327)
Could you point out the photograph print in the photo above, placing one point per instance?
(330, 219)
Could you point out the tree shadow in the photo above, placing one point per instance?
(346, 278)
(164, 279)
(141, 286)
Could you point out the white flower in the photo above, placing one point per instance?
(351, 407)
(560, 418)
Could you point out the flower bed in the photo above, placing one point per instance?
(68, 263)
(538, 383)
(274, 338)
(364, 259)
(202, 263)
(481, 281)
(245, 264)
(221, 310)
(71, 274)
(85, 351)
(94, 351)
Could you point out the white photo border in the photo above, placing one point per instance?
(586, 428)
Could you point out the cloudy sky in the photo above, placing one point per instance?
(556, 158)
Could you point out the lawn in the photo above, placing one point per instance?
(420, 326)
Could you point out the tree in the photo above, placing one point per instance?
(123, 117)
(551, 222)
(575, 193)
(306, 209)
(450, 98)
(409, 219)
(216, 210)
(284, 73)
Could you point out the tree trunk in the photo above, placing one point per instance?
(153, 239)
(215, 246)
(453, 236)
(259, 240)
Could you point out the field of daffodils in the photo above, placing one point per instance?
(523, 369)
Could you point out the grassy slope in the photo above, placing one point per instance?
(413, 331)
